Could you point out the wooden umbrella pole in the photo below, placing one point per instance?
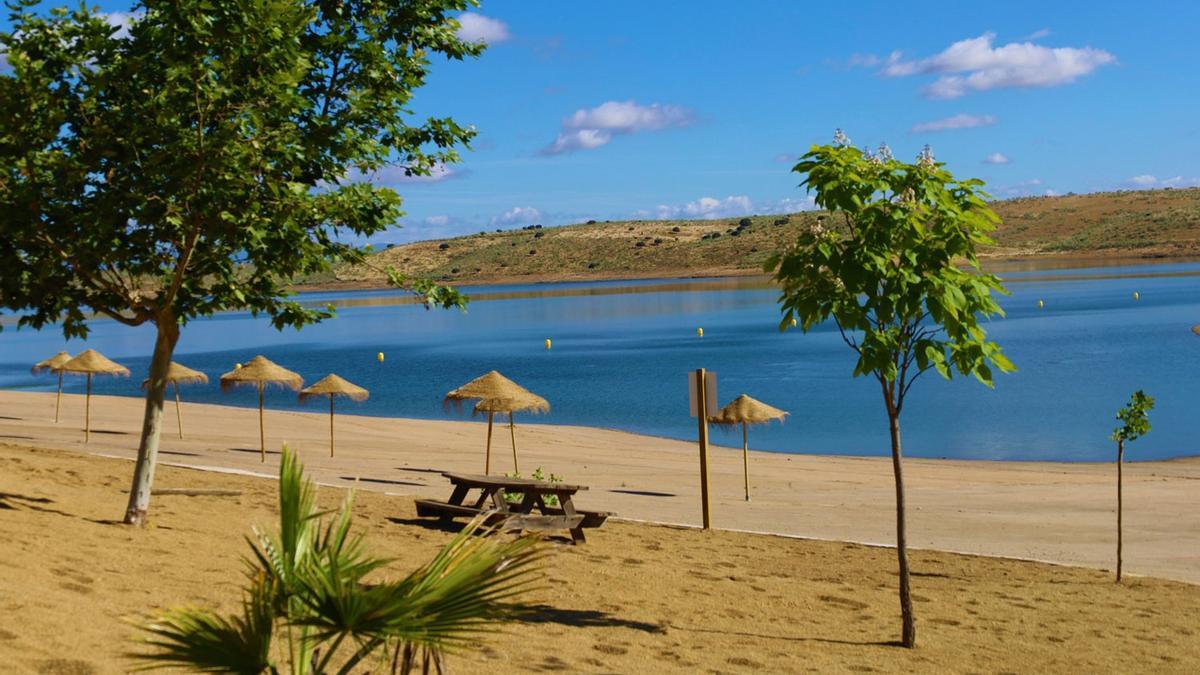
(513, 435)
(487, 462)
(58, 398)
(331, 425)
(745, 462)
(87, 412)
(262, 434)
(178, 412)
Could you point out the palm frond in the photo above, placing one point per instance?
(210, 643)
(464, 589)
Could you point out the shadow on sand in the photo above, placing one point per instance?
(11, 501)
(583, 618)
(255, 451)
(645, 493)
(383, 481)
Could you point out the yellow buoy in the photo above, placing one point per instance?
(699, 332)
(547, 343)
(379, 357)
(1041, 304)
(1136, 296)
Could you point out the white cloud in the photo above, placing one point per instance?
(437, 221)
(960, 121)
(120, 21)
(589, 128)
(518, 215)
(1028, 188)
(1038, 34)
(996, 158)
(711, 208)
(478, 28)
(862, 60)
(1148, 181)
(975, 64)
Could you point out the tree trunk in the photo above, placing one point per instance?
(1120, 461)
(143, 472)
(909, 635)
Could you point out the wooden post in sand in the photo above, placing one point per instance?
(87, 412)
(513, 434)
(702, 417)
(487, 461)
(58, 398)
(178, 412)
(262, 435)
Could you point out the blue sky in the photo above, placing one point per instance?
(613, 110)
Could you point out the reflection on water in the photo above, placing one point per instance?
(622, 349)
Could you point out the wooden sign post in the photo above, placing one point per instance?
(703, 392)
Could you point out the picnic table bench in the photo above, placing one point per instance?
(516, 515)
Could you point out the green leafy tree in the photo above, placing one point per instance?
(307, 598)
(1135, 423)
(201, 157)
(888, 276)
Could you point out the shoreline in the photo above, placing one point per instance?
(1058, 512)
(659, 437)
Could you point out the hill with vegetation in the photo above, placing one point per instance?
(1129, 224)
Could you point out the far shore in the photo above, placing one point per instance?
(1049, 511)
(996, 262)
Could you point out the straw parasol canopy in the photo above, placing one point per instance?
(178, 374)
(331, 385)
(53, 365)
(259, 372)
(496, 393)
(744, 410)
(90, 363)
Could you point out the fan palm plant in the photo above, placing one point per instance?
(307, 609)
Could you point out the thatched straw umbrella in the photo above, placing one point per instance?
(177, 374)
(91, 362)
(496, 393)
(259, 373)
(744, 410)
(54, 365)
(331, 385)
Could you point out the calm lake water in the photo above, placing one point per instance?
(622, 350)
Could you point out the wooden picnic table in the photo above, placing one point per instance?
(516, 515)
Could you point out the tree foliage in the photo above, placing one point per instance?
(886, 269)
(1134, 418)
(307, 597)
(201, 157)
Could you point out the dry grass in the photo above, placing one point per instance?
(1155, 223)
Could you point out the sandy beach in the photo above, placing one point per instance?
(1056, 512)
(635, 598)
